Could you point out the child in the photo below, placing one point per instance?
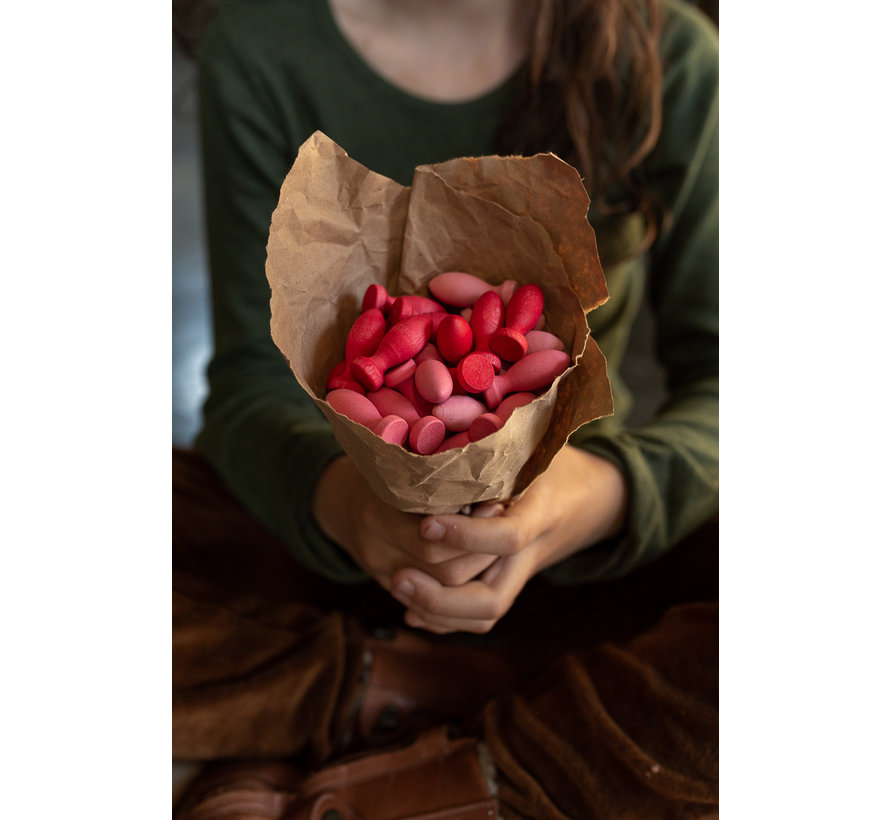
(269, 659)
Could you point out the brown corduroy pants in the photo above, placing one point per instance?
(615, 716)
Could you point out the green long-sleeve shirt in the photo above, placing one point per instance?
(271, 73)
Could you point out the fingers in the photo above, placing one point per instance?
(437, 552)
(453, 625)
(448, 565)
(475, 606)
(426, 595)
(489, 532)
(459, 570)
(427, 552)
(488, 509)
(382, 539)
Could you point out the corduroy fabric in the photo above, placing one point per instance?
(614, 714)
(258, 670)
(616, 732)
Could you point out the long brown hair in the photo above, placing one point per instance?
(593, 96)
(593, 92)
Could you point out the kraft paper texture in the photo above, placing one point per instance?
(339, 228)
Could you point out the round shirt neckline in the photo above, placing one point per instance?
(367, 73)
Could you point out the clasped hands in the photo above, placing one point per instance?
(462, 573)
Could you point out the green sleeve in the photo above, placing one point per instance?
(261, 432)
(671, 462)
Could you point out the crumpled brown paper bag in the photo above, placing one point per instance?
(340, 227)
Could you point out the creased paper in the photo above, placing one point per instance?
(339, 228)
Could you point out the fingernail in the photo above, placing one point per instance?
(434, 531)
(489, 510)
(403, 591)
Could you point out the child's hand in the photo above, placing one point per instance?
(382, 539)
(579, 500)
